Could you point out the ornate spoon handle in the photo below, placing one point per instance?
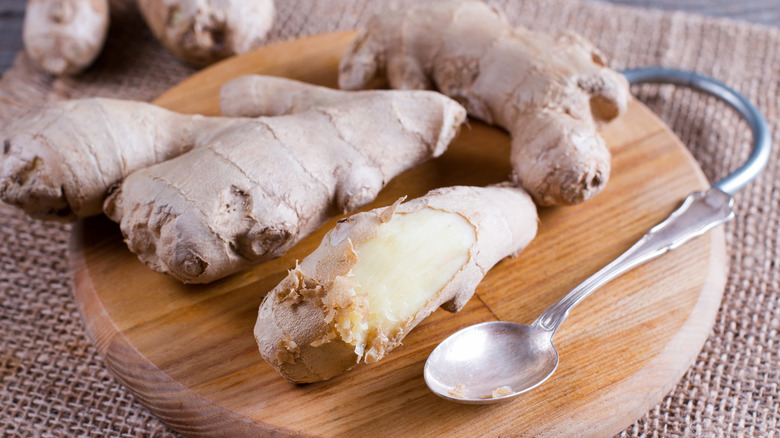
(699, 212)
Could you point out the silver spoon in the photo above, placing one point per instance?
(497, 361)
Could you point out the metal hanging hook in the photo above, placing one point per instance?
(762, 143)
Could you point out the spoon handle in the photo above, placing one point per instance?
(699, 212)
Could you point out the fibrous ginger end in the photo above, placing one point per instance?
(412, 257)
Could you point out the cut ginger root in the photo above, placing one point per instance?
(549, 92)
(255, 188)
(377, 274)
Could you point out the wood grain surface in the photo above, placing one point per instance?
(188, 352)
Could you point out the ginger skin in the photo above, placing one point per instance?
(258, 95)
(241, 190)
(63, 37)
(202, 32)
(549, 92)
(351, 299)
(256, 187)
(59, 162)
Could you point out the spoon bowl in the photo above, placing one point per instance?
(497, 361)
(491, 362)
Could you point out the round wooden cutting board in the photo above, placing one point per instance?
(189, 355)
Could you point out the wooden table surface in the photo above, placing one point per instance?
(756, 11)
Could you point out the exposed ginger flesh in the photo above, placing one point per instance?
(412, 257)
(377, 274)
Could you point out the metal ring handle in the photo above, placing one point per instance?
(762, 143)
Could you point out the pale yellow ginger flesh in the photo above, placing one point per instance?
(378, 274)
(397, 285)
(63, 37)
(549, 91)
(204, 31)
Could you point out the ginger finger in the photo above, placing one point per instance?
(202, 32)
(59, 162)
(257, 187)
(258, 95)
(63, 37)
(506, 75)
(377, 274)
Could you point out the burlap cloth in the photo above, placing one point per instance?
(52, 382)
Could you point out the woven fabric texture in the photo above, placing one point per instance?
(53, 383)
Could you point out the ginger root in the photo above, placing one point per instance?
(259, 95)
(244, 190)
(59, 162)
(377, 274)
(549, 92)
(202, 32)
(257, 187)
(63, 37)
